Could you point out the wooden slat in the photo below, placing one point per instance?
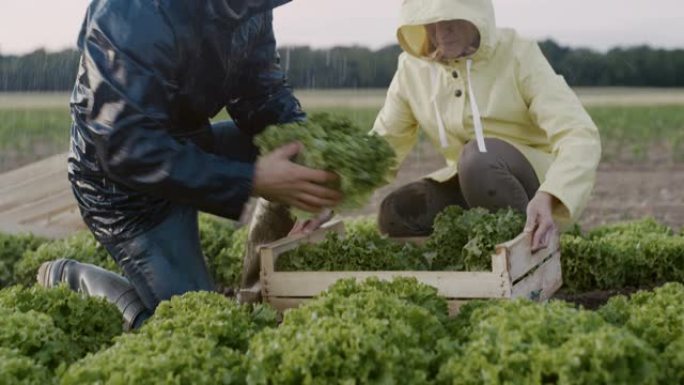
(26, 193)
(500, 264)
(449, 284)
(70, 218)
(33, 172)
(53, 217)
(520, 257)
(59, 225)
(542, 283)
(49, 232)
(553, 277)
(41, 210)
(37, 198)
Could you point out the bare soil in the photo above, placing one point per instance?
(592, 300)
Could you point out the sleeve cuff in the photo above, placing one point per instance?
(563, 211)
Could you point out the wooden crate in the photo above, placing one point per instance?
(516, 272)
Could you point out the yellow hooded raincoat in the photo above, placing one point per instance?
(509, 83)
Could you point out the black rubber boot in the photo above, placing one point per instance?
(97, 282)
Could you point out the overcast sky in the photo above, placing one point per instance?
(29, 24)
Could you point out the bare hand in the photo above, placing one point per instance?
(310, 225)
(540, 220)
(278, 179)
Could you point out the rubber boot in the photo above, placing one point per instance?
(96, 282)
(270, 222)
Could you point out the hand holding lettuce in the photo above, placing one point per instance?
(335, 144)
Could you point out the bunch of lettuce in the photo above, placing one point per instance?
(362, 226)
(167, 359)
(17, 369)
(464, 240)
(354, 334)
(44, 330)
(89, 323)
(656, 316)
(216, 234)
(34, 335)
(521, 342)
(632, 254)
(229, 262)
(606, 356)
(631, 228)
(198, 338)
(224, 246)
(336, 144)
(407, 289)
(210, 315)
(356, 252)
(673, 358)
(12, 247)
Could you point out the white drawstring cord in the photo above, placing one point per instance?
(477, 119)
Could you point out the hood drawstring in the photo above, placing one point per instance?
(477, 118)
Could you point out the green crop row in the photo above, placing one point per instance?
(355, 333)
(223, 245)
(633, 254)
(42, 331)
(626, 255)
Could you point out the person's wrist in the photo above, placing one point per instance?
(546, 197)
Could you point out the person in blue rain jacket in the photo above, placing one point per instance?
(144, 156)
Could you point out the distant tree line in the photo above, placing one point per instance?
(39, 71)
(641, 66)
(359, 67)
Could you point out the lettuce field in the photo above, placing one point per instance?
(360, 333)
(376, 332)
(356, 333)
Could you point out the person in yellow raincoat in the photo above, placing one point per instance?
(511, 130)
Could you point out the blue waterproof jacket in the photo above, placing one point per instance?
(152, 74)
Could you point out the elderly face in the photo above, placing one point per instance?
(453, 39)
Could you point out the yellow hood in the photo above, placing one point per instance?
(415, 14)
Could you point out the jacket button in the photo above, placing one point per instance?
(455, 74)
(459, 93)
